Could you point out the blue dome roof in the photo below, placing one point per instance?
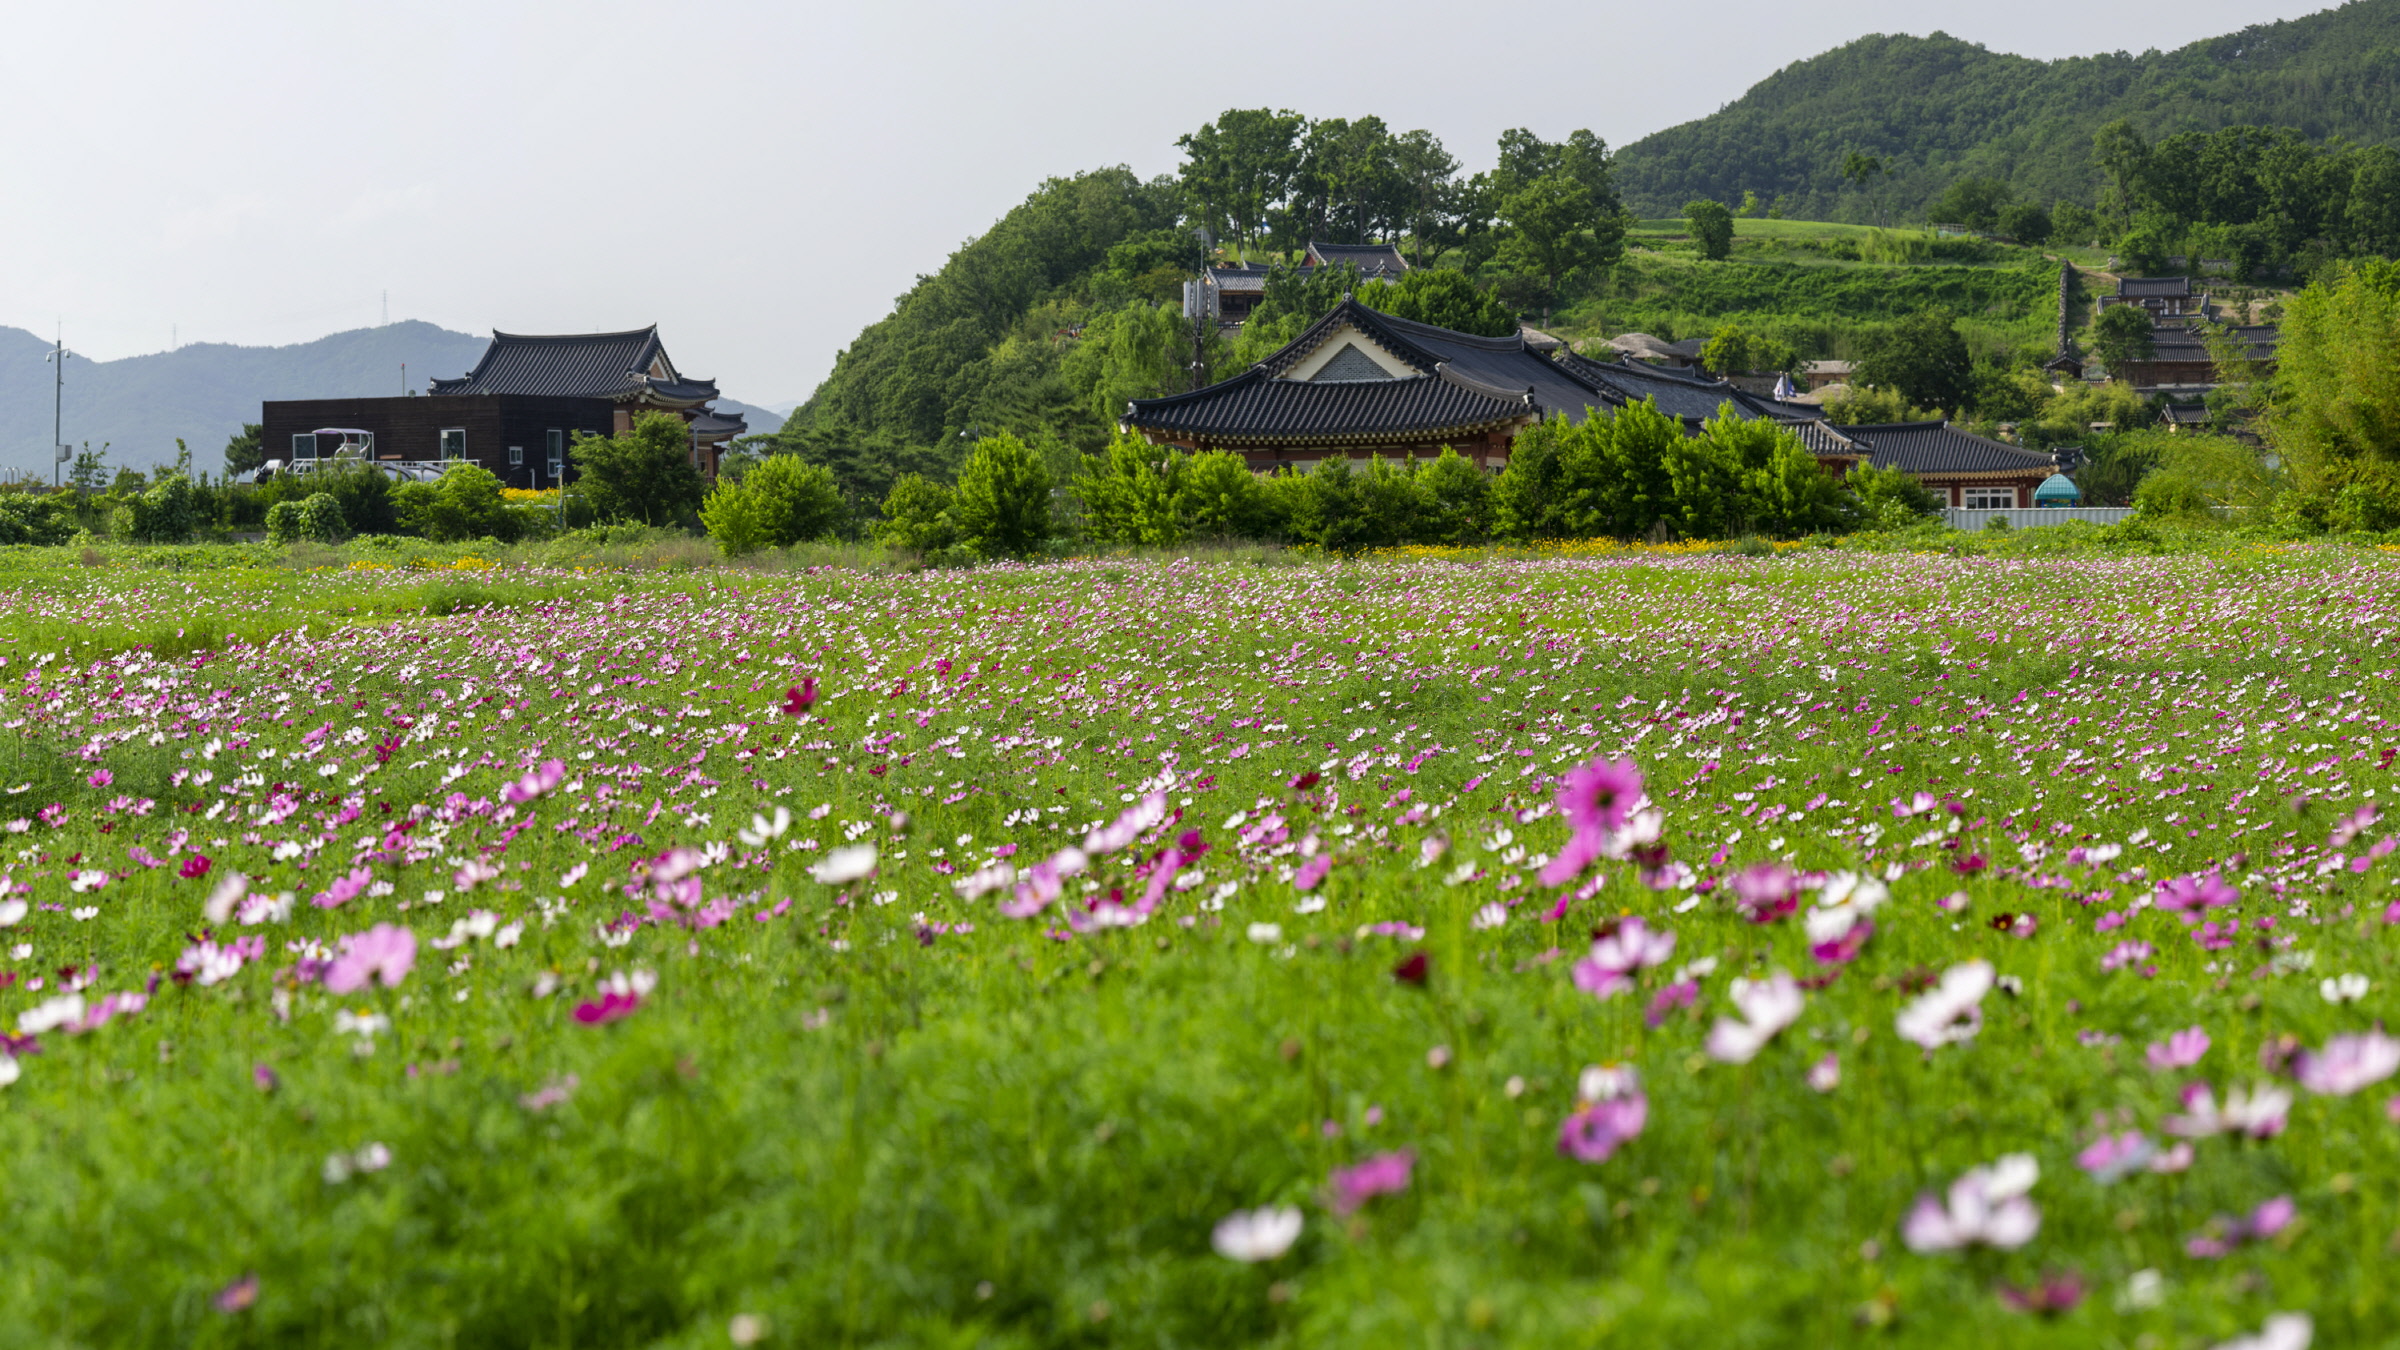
(2058, 487)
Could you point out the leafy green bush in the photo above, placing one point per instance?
(1002, 503)
(39, 518)
(644, 475)
(165, 513)
(465, 504)
(917, 515)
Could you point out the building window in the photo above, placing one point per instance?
(1990, 499)
(557, 445)
(454, 443)
(516, 455)
(304, 445)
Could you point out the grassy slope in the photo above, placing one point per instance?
(998, 1138)
(1782, 280)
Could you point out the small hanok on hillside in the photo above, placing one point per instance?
(514, 414)
(1360, 384)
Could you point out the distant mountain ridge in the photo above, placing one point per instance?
(1937, 109)
(206, 391)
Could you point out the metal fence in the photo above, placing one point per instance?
(2027, 517)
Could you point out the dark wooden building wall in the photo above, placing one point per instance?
(411, 428)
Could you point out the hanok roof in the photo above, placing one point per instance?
(1255, 408)
(1389, 379)
(626, 366)
(1374, 260)
(1939, 450)
(715, 426)
(2184, 340)
(1830, 367)
(2153, 288)
(1681, 394)
(1239, 280)
(2185, 415)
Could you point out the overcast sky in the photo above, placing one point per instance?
(761, 178)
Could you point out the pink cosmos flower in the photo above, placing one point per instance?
(1987, 1206)
(2127, 954)
(237, 1296)
(2179, 1051)
(344, 889)
(194, 867)
(1844, 949)
(550, 1094)
(1681, 994)
(101, 778)
(541, 782)
(801, 697)
(2056, 1294)
(1597, 796)
(2112, 1156)
(2188, 898)
(1120, 833)
(1312, 872)
(2258, 1113)
(2226, 1232)
(384, 953)
(1767, 891)
(1617, 953)
(1594, 1131)
(1826, 1074)
(2348, 1064)
(1383, 1174)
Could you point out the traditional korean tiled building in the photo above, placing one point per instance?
(1375, 262)
(517, 410)
(1361, 383)
(1962, 468)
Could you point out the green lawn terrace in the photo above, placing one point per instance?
(1819, 285)
(563, 1003)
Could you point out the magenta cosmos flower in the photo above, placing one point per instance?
(384, 953)
(1597, 796)
(1383, 1174)
(801, 697)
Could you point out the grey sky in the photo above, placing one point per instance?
(762, 179)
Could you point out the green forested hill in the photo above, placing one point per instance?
(1936, 109)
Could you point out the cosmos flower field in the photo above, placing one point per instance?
(1610, 949)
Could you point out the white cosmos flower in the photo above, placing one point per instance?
(1952, 1011)
(226, 894)
(50, 1014)
(845, 865)
(1987, 1206)
(86, 880)
(12, 913)
(2283, 1331)
(1266, 932)
(762, 829)
(1493, 915)
(1260, 1234)
(2344, 988)
(86, 914)
(8, 1070)
(1845, 898)
(1767, 1006)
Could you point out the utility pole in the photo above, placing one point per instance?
(58, 399)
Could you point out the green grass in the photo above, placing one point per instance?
(862, 1124)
